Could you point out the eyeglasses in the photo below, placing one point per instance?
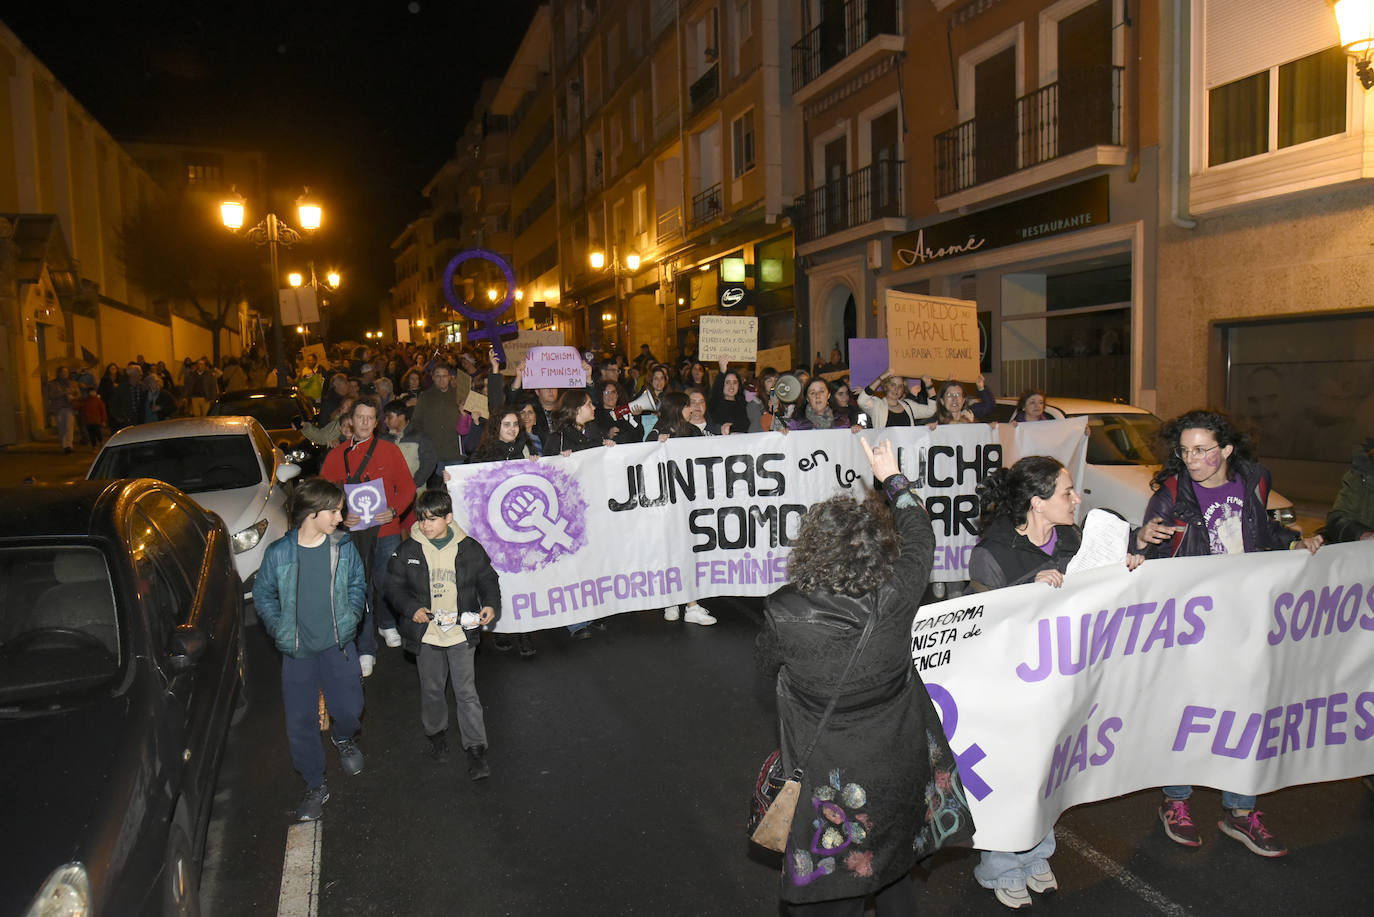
(1196, 452)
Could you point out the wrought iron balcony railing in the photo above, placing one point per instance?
(837, 37)
(871, 193)
(706, 206)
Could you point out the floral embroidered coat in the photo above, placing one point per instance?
(880, 790)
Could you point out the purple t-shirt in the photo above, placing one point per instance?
(1048, 547)
(1221, 508)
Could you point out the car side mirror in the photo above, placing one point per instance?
(187, 646)
(286, 471)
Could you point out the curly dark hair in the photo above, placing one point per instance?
(846, 546)
(1008, 491)
(490, 448)
(565, 415)
(1219, 424)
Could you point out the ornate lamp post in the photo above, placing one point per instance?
(597, 260)
(272, 231)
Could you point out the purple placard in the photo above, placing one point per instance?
(365, 500)
(867, 360)
(553, 367)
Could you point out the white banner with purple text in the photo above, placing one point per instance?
(1247, 673)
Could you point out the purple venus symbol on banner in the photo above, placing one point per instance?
(525, 517)
(365, 500)
(491, 329)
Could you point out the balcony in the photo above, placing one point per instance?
(840, 39)
(872, 193)
(669, 227)
(706, 206)
(705, 90)
(1060, 128)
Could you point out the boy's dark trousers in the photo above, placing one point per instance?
(336, 672)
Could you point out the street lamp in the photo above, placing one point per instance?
(294, 278)
(1355, 19)
(597, 259)
(273, 232)
(331, 283)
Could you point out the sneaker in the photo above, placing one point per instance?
(349, 756)
(437, 749)
(312, 804)
(391, 635)
(1250, 831)
(526, 647)
(1178, 822)
(671, 613)
(478, 769)
(501, 642)
(366, 663)
(1042, 882)
(582, 633)
(1013, 898)
(695, 614)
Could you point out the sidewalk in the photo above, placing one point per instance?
(44, 461)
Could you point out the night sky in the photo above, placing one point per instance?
(361, 101)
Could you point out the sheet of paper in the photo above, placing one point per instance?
(1105, 537)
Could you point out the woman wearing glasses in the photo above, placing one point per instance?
(1210, 498)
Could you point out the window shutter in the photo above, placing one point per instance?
(1244, 37)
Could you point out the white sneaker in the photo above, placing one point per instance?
(391, 635)
(670, 613)
(1041, 882)
(697, 615)
(366, 663)
(1014, 898)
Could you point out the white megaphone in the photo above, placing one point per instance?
(646, 402)
(788, 388)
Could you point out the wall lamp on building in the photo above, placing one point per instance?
(272, 231)
(1355, 18)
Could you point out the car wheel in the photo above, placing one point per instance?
(181, 879)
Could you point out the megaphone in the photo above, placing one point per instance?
(646, 402)
(788, 388)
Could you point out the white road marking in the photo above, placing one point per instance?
(300, 871)
(1142, 889)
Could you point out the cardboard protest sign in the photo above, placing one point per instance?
(780, 358)
(298, 305)
(365, 500)
(553, 367)
(518, 348)
(317, 350)
(728, 337)
(932, 336)
(477, 405)
(403, 331)
(867, 360)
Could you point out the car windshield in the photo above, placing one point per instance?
(272, 413)
(1122, 439)
(193, 463)
(58, 628)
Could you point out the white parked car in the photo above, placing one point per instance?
(1122, 440)
(228, 465)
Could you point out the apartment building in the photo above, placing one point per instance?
(673, 131)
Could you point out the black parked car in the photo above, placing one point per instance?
(281, 413)
(121, 666)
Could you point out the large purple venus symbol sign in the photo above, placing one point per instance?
(491, 329)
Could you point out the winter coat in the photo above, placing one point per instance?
(436, 416)
(1352, 515)
(1004, 557)
(275, 588)
(1259, 531)
(407, 585)
(724, 410)
(387, 463)
(571, 438)
(876, 407)
(863, 818)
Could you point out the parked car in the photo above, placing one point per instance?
(121, 667)
(1121, 460)
(281, 413)
(227, 464)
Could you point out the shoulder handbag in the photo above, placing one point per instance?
(775, 797)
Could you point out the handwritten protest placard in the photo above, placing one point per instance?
(477, 405)
(317, 351)
(728, 337)
(518, 348)
(932, 336)
(553, 367)
(780, 358)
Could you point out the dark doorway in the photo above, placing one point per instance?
(1085, 78)
(994, 91)
(836, 200)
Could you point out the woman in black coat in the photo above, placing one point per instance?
(727, 404)
(572, 426)
(882, 775)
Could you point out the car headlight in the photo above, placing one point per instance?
(1285, 515)
(67, 893)
(248, 539)
(297, 456)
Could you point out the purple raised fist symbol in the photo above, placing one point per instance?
(524, 508)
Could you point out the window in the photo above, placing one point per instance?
(742, 139)
(1245, 119)
(641, 210)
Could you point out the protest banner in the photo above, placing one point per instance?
(477, 405)
(553, 367)
(403, 331)
(867, 360)
(517, 348)
(728, 337)
(780, 358)
(316, 350)
(932, 336)
(365, 500)
(712, 516)
(1247, 672)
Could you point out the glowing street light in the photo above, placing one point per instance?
(294, 278)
